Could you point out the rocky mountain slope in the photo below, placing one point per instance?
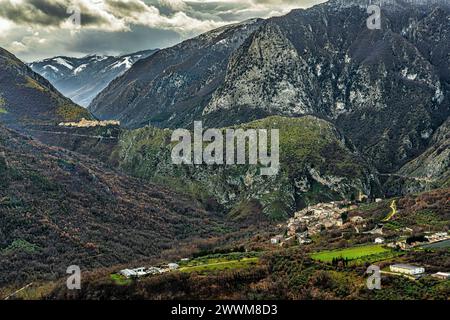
(387, 89)
(317, 164)
(58, 208)
(81, 79)
(331, 64)
(429, 170)
(27, 99)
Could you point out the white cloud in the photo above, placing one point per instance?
(43, 27)
(5, 26)
(176, 5)
(151, 16)
(18, 46)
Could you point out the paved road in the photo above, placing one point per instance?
(73, 134)
(398, 274)
(421, 179)
(17, 291)
(393, 212)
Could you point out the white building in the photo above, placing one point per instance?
(439, 236)
(357, 219)
(407, 269)
(304, 241)
(154, 270)
(379, 240)
(138, 272)
(276, 240)
(441, 275)
(128, 273)
(173, 266)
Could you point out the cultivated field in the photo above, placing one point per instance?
(360, 254)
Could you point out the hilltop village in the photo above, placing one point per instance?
(383, 242)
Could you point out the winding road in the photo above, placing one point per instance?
(393, 212)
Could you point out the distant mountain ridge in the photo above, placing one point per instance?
(81, 79)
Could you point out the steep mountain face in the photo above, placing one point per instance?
(81, 79)
(317, 164)
(58, 208)
(388, 89)
(28, 99)
(172, 87)
(429, 170)
(267, 75)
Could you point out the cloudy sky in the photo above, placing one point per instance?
(36, 29)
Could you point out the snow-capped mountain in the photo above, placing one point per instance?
(81, 79)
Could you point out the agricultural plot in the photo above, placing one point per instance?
(120, 280)
(219, 266)
(437, 245)
(356, 255)
(220, 262)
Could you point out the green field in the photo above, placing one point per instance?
(120, 280)
(437, 245)
(3, 110)
(354, 253)
(218, 262)
(221, 265)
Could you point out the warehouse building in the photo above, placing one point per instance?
(441, 275)
(407, 269)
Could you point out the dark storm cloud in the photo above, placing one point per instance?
(28, 13)
(139, 38)
(45, 13)
(53, 9)
(124, 8)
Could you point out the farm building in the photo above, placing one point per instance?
(139, 272)
(129, 273)
(357, 219)
(407, 269)
(173, 266)
(441, 275)
(276, 240)
(154, 270)
(439, 236)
